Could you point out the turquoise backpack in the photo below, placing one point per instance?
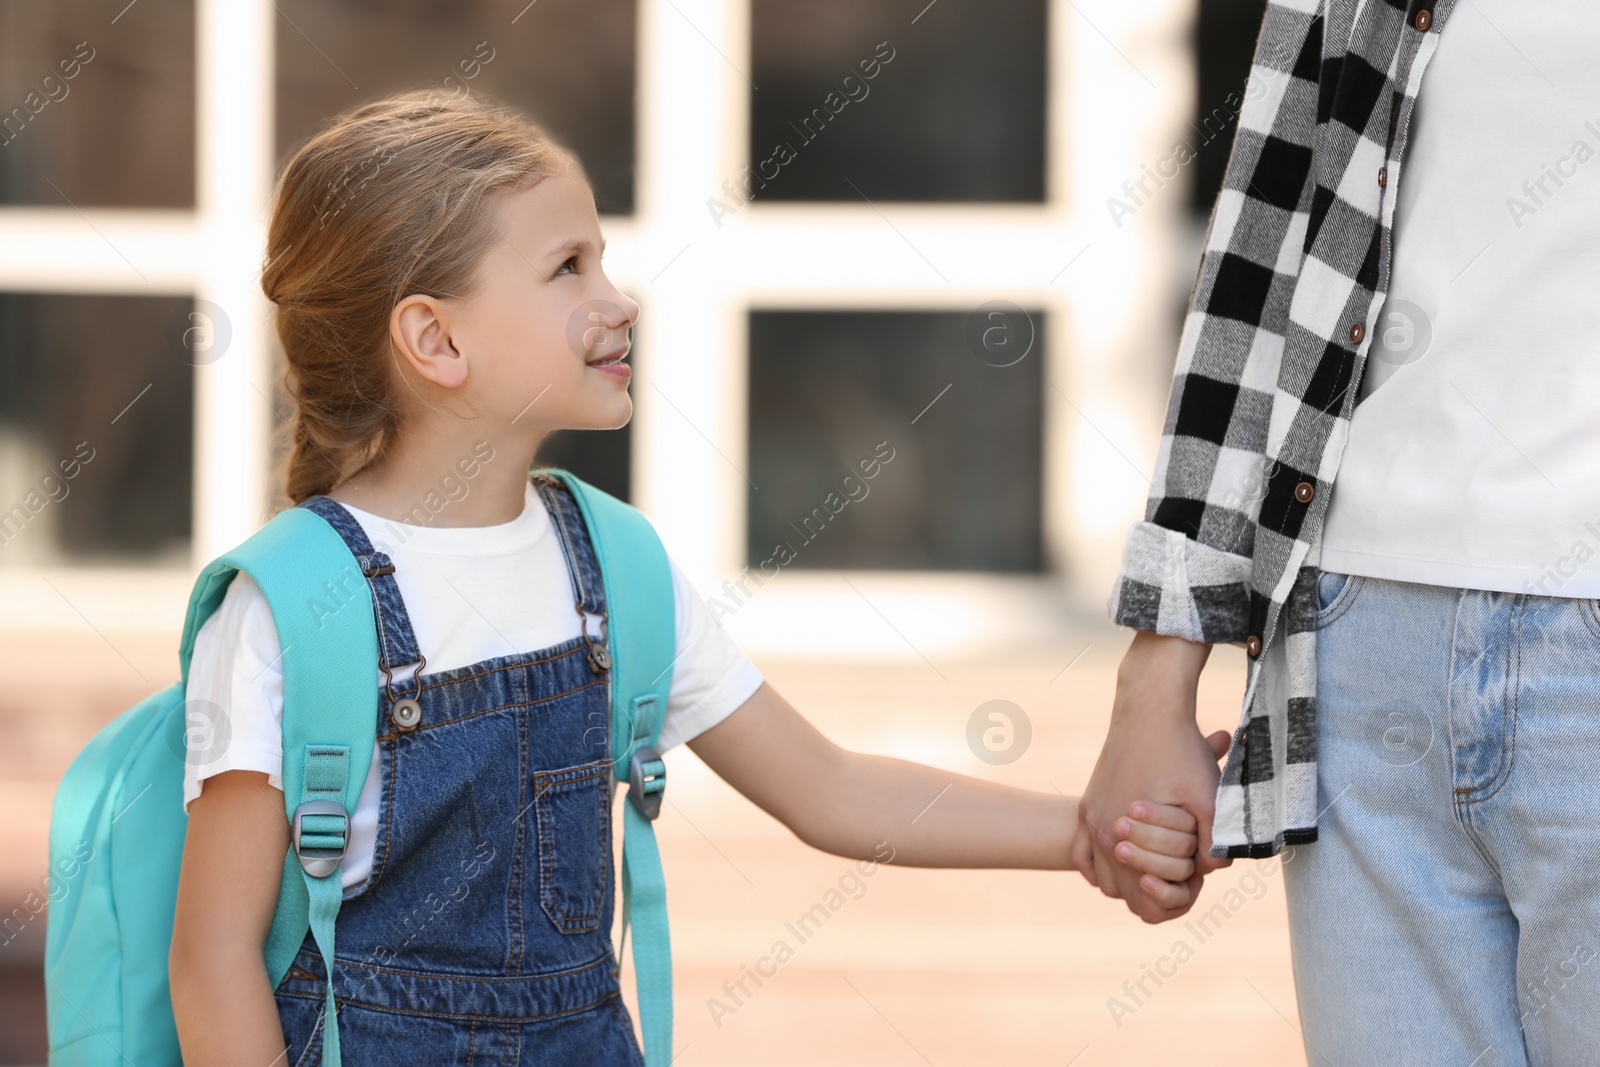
(109, 933)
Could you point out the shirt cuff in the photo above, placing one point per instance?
(1172, 584)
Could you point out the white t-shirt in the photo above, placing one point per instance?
(472, 593)
(1473, 456)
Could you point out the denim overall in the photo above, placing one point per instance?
(483, 933)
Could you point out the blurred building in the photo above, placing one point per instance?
(952, 239)
(957, 232)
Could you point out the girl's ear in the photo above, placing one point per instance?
(420, 329)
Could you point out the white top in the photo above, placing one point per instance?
(1473, 456)
(472, 593)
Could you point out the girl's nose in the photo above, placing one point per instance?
(629, 309)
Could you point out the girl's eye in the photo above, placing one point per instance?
(573, 261)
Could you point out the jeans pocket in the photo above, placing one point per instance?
(1335, 593)
(574, 811)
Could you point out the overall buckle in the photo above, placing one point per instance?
(647, 781)
(321, 859)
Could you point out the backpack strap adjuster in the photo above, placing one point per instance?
(320, 833)
(647, 781)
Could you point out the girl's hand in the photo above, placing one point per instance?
(1160, 841)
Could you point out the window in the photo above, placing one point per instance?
(568, 63)
(885, 440)
(865, 105)
(96, 452)
(97, 111)
(599, 457)
(950, 107)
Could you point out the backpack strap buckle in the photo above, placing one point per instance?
(320, 833)
(647, 780)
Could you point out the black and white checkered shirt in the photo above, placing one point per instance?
(1294, 271)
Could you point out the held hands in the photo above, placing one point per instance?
(1152, 752)
(1158, 843)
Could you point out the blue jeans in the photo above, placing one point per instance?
(1449, 910)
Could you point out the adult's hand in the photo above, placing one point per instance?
(1153, 751)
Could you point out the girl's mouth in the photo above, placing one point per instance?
(613, 364)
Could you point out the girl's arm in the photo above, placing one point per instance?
(227, 892)
(852, 804)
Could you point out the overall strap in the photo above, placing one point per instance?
(641, 635)
(583, 568)
(397, 641)
(322, 788)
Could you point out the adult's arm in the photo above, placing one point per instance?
(1153, 751)
(1185, 581)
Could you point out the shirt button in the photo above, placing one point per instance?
(1424, 19)
(1383, 177)
(1304, 492)
(1357, 332)
(1252, 646)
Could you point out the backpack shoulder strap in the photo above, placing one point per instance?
(641, 629)
(321, 604)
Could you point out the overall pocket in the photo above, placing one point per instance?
(574, 811)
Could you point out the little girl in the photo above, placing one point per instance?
(442, 307)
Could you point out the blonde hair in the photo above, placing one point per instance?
(388, 200)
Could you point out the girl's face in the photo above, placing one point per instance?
(545, 331)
